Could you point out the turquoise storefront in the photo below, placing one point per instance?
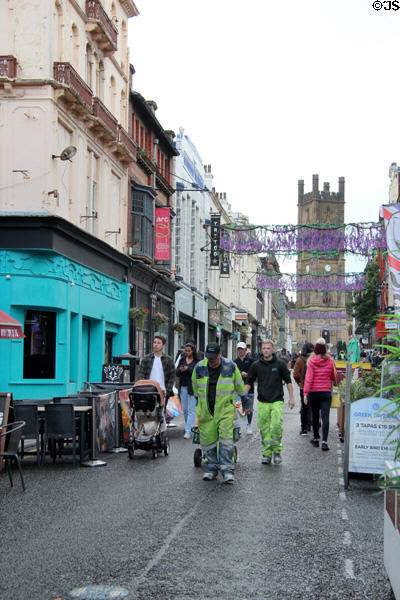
(74, 316)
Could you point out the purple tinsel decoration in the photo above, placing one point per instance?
(363, 239)
(301, 283)
(316, 314)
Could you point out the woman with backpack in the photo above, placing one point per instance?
(321, 373)
(299, 375)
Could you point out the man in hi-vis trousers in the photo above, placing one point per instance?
(215, 381)
(270, 372)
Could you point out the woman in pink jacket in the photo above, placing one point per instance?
(321, 373)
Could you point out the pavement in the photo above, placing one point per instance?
(288, 532)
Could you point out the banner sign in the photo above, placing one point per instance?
(163, 234)
(391, 215)
(370, 424)
(105, 422)
(215, 238)
(224, 267)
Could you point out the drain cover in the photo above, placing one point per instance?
(99, 592)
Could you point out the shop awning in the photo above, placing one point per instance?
(10, 328)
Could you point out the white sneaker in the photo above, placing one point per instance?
(228, 478)
(249, 430)
(266, 460)
(187, 436)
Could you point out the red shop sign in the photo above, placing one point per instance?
(163, 231)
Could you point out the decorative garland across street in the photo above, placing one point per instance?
(328, 283)
(317, 239)
(316, 314)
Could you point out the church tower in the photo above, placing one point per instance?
(328, 208)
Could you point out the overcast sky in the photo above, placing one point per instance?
(272, 91)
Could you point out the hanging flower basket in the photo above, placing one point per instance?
(178, 327)
(138, 314)
(159, 319)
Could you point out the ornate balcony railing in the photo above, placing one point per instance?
(102, 113)
(125, 139)
(66, 74)
(8, 66)
(108, 33)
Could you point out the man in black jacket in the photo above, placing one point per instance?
(244, 362)
(270, 372)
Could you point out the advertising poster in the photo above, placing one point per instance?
(370, 424)
(105, 422)
(126, 413)
(162, 245)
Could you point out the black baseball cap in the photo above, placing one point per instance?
(212, 350)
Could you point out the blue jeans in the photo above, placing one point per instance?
(250, 404)
(189, 409)
(219, 456)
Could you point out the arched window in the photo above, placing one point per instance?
(101, 81)
(60, 31)
(75, 41)
(124, 46)
(114, 14)
(122, 116)
(113, 92)
(89, 66)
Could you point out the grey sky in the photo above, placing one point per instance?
(273, 91)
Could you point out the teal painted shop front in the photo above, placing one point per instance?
(75, 318)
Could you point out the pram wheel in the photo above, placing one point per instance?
(197, 457)
(166, 446)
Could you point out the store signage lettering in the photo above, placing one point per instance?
(215, 237)
(224, 268)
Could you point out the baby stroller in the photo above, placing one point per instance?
(146, 419)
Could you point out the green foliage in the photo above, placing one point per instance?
(364, 387)
(363, 305)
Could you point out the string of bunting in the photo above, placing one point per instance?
(316, 239)
(292, 282)
(316, 314)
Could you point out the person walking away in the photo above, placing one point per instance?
(184, 377)
(215, 380)
(244, 362)
(270, 372)
(161, 368)
(299, 375)
(321, 373)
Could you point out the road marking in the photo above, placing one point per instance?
(345, 516)
(349, 568)
(347, 538)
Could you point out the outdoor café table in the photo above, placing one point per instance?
(81, 412)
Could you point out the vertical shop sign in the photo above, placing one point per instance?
(224, 267)
(215, 237)
(163, 228)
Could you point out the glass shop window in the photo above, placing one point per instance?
(39, 345)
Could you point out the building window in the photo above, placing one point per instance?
(39, 345)
(142, 222)
(326, 298)
(91, 192)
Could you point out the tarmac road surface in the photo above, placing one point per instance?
(286, 532)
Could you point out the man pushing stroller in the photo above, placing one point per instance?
(215, 380)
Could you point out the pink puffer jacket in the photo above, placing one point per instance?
(320, 375)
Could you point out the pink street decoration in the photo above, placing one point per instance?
(316, 314)
(318, 239)
(317, 283)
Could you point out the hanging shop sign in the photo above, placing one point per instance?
(241, 316)
(213, 316)
(224, 266)
(163, 234)
(215, 240)
(391, 215)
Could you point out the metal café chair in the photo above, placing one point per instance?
(12, 435)
(32, 430)
(59, 426)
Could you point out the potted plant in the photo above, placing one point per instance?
(179, 327)
(138, 314)
(159, 319)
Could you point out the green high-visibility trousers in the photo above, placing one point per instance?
(270, 423)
